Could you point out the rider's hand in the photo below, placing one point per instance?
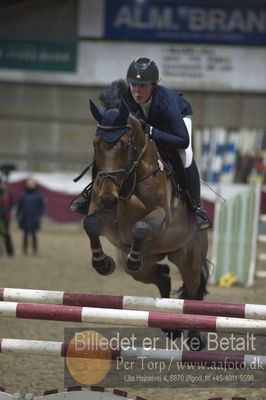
(148, 129)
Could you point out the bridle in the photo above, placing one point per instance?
(130, 170)
(110, 174)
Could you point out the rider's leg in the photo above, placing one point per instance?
(193, 180)
(187, 154)
(82, 204)
(193, 185)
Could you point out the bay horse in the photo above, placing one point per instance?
(134, 206)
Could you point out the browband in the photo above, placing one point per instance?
(112, 128)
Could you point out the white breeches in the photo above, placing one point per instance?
(187, 154)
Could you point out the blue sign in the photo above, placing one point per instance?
(181, 21)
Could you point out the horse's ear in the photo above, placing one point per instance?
(96, 111)
(123, 110)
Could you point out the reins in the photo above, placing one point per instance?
(133, 169)
(83, 172)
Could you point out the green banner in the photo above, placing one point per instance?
(38, 55)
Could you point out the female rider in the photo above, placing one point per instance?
(168, 122)
(167, 117)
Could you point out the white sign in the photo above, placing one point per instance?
(182, 66)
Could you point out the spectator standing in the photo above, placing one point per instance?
(30, 209)
(6, 204)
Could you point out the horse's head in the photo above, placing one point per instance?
(113, 147)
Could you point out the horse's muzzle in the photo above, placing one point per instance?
(108, 202)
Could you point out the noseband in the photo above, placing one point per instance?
(110, 175)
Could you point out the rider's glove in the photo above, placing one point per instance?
(148, 129)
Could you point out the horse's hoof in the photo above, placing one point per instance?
(172, 334)
(104, 267)
(196, 341)
(133, 266)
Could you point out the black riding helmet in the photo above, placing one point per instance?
(142, 70)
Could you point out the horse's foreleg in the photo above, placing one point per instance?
(103, 264)
(150, 227)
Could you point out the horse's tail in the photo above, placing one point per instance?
(112, 94)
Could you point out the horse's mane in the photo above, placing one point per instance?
(112, 94)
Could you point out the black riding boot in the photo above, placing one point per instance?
(193, 184)
(82, 204)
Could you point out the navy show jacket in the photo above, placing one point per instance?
(166, 113)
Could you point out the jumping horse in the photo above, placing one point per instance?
(134, 206)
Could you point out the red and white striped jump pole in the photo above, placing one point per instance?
(132, 318)
(234, 310)
(60, 349)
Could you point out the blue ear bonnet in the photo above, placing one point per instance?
(112, 119)
(112, 124)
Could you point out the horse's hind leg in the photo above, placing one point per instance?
(155, 273)
(161, 278)
(103, 264)
(192, 264)
(159, 275)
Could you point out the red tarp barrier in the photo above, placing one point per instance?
(56, 203)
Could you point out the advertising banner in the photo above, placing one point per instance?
(181, 21)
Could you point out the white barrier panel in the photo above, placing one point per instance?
(235, 235)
